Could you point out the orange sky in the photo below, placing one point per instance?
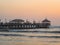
(31, 10)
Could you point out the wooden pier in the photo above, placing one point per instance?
(20, 24)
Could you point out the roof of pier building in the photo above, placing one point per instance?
(46, 20)
(16, 21)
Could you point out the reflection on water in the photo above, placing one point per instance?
(31, 37)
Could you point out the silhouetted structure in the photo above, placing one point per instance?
(17, 21)
(21, 24)
(46, 23)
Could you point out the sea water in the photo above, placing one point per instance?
(49, 36)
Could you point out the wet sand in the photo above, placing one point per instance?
(25, 38)
(11, 40)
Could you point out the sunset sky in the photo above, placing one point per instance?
(31, 10)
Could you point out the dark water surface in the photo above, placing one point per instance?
(31, 37)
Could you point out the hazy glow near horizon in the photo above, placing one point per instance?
(31, 10)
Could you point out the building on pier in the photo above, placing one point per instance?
(21, 24)
(46, 23)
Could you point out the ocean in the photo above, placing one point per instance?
(47, 36)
